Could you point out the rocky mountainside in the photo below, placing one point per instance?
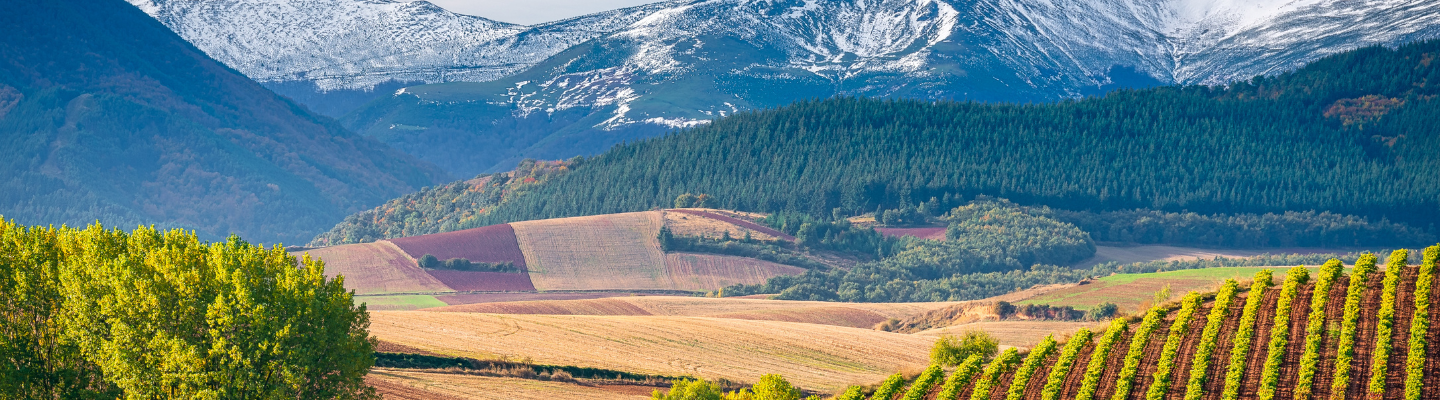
(107, 115)
(688, 63)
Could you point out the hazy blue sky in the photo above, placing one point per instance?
(529, 12)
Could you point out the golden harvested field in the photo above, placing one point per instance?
(694, 225)
(621, 252)
(858, 315)
(414, 385)
(1126, 255)
(1018, 333)
(817, 357)
(1133, 292)
(376, 268)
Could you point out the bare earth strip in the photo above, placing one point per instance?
(618, 251)
(407, 385)
(856, 315)
(812, 356)
(374, 268)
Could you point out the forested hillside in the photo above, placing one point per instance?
(105, 114)
(1349, 134)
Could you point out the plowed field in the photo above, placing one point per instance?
(1018, 333)
(736, 221)
(380, 267)
(858, 315)
(484, 281)
(688, 271)
(415, 385)
(812, 356)
(491, 244)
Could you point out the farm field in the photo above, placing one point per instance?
(1134, 254)
(374, 268)
(714, 223)
(857, 315)
(817, 357)
(399, 302)
(1017, 333)
(491, 244)
(416, 385)
(1134, 292)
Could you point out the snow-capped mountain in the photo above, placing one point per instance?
(688, 62)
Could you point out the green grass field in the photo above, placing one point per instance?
(399, 303)
(1134, 292)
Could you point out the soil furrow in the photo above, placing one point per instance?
(1113, 363)
(1432, 350)
(1365, 337)
(1400, 340)
(1220, 359)
(1299, 318)
(1077, 371)
(1036, 387)
(1146, 373)
(1185, 357)
(1255, 363)
(1334, 317)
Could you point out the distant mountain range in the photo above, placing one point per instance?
(105, 114)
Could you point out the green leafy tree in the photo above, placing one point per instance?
(165, 315)
(689, 389)
(950, 350)
(686, 200)
(774, 387)
(705, 201)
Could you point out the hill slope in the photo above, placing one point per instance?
(107, 115)
(697, 60)
(1347, 134)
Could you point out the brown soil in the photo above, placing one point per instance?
(1365, 337)
(1432, 350)
(1113, 364)
(1334, 317)
(1077, 371)
(1255, 364)
(1404, 313)
(492, 244)
(1036, 386)
(1146, 374)
(1224, 344)
(1186, 356)
(1295, 349)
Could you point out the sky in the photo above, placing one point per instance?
(530, 12)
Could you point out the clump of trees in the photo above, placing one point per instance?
(952, 350)
(770, 387)
(98, 313)
(689, 200)
(429, 261)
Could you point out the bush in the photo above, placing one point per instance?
(991, 377)
(1032, 364)
(1126, 379)
(851, 393)
(1200, 366)
(1165, 368)
(924, 383)
(961, 377)
(1245, 334)
(1315, 329)
(952, 350)
(1056, 380)
(1420, 325)
(1280, 333)
(888, 388)
(1093, 371)
(1385, 325)
(1345, 350)
(687, 389)
(775, 387)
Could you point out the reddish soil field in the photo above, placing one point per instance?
(1365, 337)
(1077, 371)
(1109, 378)
(738, 222)
(1299, 318)
(484, 281)
(1334, 316)
(491, 244)
(1220, 358)
(1185, 357)
(1432, 350)
(1255, 363)
(932, 233)
(1404, 313)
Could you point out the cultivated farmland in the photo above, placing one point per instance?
(373, 268)
(812, 356)
(1134, 292)
(417, 385)
(1018, 333)
(491, 244)
(484, 281)
(858, 315)
(735, 221)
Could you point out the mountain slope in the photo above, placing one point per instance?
(689, 63)
(308, 49)
(108, 115)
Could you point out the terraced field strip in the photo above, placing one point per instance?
(617, 251)
(417, 385)
(491, 244)
(484, 281)
(857, 315)
(736, 221)
(376, 268)
(399, 303)
(816, 357)
(1018, 333)
(688, 271)
(1133, 292)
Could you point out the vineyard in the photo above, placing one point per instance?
(1326, 334)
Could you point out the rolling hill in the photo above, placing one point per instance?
(106, 114)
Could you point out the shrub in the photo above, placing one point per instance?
(774, 387)
(1200, 366)
(1385, 325)
(1126, 380)
(1280, 332)
(1315, 329)
(1245, 335)
(924, 383)
(991, 377)
(1345, 350)
(888, 388)
(852, 393)
(953, 350)
(1415, 362)
(1032, 363)
(1165, 369)
(1091, 382)
(688, 389)
(961, 377)
(1056, 380)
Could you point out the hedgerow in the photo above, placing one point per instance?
(1056, 380)
(888, 388)
(1195, 388)
(1126, 380)
(1245, 335)
(1415, 362)
(1165, 369)
(1315, 328)
(991, 377)
(922, 384)
(851, 393)
(1032, 363)
(1345, 350)
(961, 377)
(1098, 358)
(1385, 326)
(1280, 332)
